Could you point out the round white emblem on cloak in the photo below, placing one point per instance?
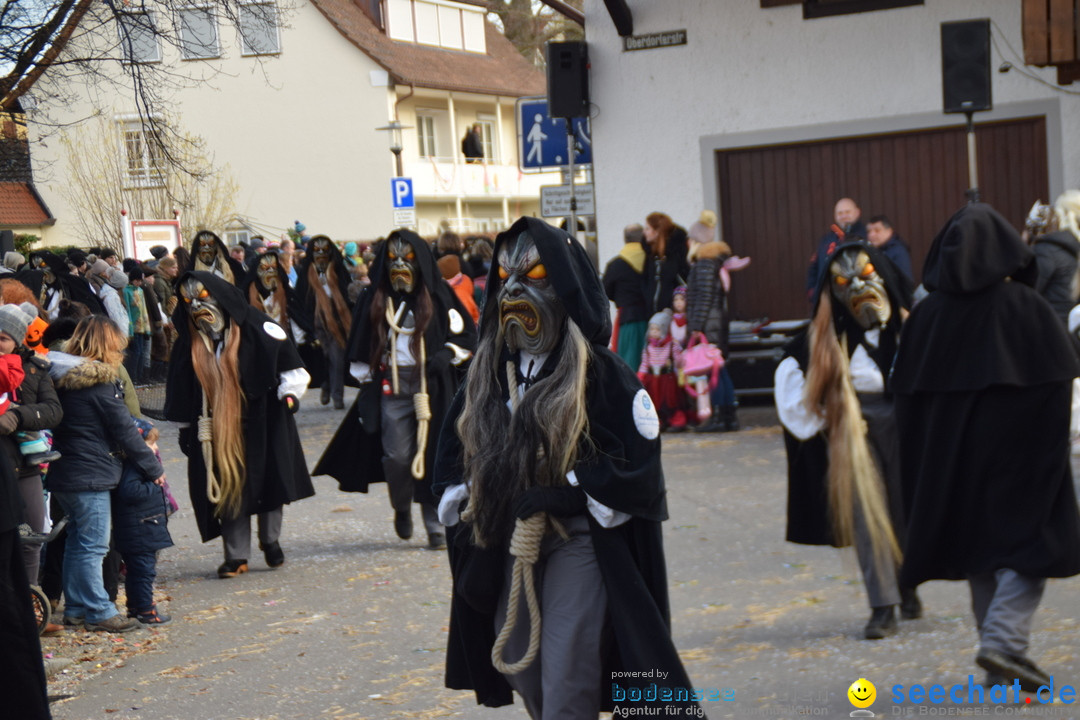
(274, 330)
(457, 323)
(645, 418)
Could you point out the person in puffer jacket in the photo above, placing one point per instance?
(94, 438)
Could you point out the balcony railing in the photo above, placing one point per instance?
(443, 178)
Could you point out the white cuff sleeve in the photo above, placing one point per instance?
(604, 515)
(448, 506)
(361, 371)
(293, 382)
(460, 354)
(788, 385)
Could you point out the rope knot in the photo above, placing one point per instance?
(206, 429)
(422, 406)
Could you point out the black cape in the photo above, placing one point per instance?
(71, 287)
(276, 472)
(623, 472)
(982, 386)
(354, 455)
(808, 520)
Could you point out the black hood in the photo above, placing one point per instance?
(976, 249)
(230, 297)
(571, 274)
(252, 276)
(425, 261)
(337, 261)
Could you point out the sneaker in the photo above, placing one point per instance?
(232, 568)
(1013, 667)
(116, 624)
(151, 617)
(403, 524)
(882, 623)
(274, 555)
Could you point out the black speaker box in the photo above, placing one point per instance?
(568, 79)
(965, 66)
(7, 242)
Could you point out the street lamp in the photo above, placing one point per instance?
(395, 128)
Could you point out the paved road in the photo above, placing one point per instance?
(355, 624)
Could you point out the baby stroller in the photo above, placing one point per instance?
(38, 598)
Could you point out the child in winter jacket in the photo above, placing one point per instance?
(659, 360)
(140, 510)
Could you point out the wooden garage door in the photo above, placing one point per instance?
(776, 201)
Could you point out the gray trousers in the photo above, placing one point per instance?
(1004, 602)
(34, 515)
(564, 681)
(398, 420)
(335, 365)
(879, 574)
(236, 533)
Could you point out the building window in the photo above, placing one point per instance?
(138, 38)
(237, 237)
(143, 158)
(198, 33)
(425, 133)
(489, 138)
(259, 29)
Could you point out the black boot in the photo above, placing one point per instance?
(910, 605)
(882, 623)
(731, 421)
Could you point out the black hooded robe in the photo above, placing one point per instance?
(276, 472)
(293, 307)
(983, 384)
(808, 516)
(314, 356)
(624, 473)
(354, 455)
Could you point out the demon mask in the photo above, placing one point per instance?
(206, 248)
(530, 312)
(402, 265)
(204, 308)
(267, 271)
(320, 254)
(858, 287)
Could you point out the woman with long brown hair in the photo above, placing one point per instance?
(666, 266)
(94, 434)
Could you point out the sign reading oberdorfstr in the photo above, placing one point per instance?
(655, 40)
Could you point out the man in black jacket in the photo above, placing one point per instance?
(846, 226)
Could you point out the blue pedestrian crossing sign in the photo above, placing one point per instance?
(542, 141)
(401, 192)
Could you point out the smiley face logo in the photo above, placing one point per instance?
(862, 693)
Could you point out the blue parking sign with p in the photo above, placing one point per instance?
(401, 192)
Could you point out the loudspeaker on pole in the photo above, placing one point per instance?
(965, 66)
(7, 242)
(568, 79)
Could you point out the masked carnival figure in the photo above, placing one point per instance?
(983, 386)
(552, 492)
(267, 289)
(50, 279)
(410, 338)
(209, 253)
(323, 287)
(235, 381)
(840, 428)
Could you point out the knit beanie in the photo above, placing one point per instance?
(135, 274)
(12, 260)
(661, 320)
(159, 251)
(14, 319)
(99, 268)
(117, 278)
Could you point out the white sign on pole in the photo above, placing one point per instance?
(555, 200)
(405, 217)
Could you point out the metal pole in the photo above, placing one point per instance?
(973, 162)
(570, 166)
